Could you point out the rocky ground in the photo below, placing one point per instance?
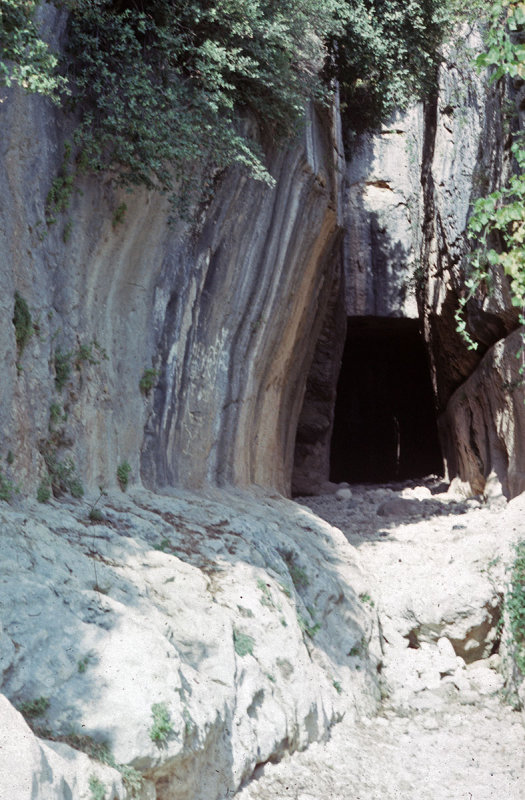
(202, 638)
(446, 729)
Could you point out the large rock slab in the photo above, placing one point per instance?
(382, 208)
(222, 307)
(232, 618)
(484, 423)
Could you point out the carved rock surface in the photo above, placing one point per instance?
(382, 207)
(224, 312)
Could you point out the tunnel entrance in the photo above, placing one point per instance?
(385, 422)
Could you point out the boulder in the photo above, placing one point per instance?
(34, 769)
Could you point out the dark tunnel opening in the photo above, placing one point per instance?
(385, 422)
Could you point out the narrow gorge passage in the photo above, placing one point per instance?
(445, 730)
(385, 423)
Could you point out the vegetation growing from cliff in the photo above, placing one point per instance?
(497, 224)
(389, 55)
(516, 608)
(158, 85)
(26, 59)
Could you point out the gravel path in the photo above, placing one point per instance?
(447, 739)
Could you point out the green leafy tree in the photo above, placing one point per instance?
(159, 83)
(158, 86)
(25, 59)
(389, 54)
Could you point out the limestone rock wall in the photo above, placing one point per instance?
(382, 210)
(408, 192)
(223, 310)
(484, 423)
(377, 264)
(466, 155)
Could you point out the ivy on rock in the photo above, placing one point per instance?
(496, 226)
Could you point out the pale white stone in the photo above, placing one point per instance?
(33, 769)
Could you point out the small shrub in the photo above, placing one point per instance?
(62, 187)
(162, 727)
(34, 708)
(63, 476)
(515, 604)
(88, 353)
(132, 778)
(299, 576)
(365, 598)
(310, 630)
(266, 599)
(337, 686)
(6, 488)
(96, 515)
(189, 724)
(165, 546)
(243, 643)
(56, 414)
(119, 214)
(98, 792)
(356, 650)
(22, 322)
(62, 368)
(148, 380)
(123, 473)
(10, 457)
(66, 233)
(76, 489)
(82, 664)
(43, 493)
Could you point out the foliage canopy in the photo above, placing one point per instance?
(25, 59)
(157, 84)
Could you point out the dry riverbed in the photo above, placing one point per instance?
(446, 729)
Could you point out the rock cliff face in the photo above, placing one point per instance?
(224, 313)
(382, 208)
(466, 154)
(408, 190)
(188, 636)
(185, 352)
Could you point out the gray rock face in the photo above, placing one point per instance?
(311, 466)
(382, 207)
(400, 241)
(484, 423)
(466, 157)
(224, 312)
